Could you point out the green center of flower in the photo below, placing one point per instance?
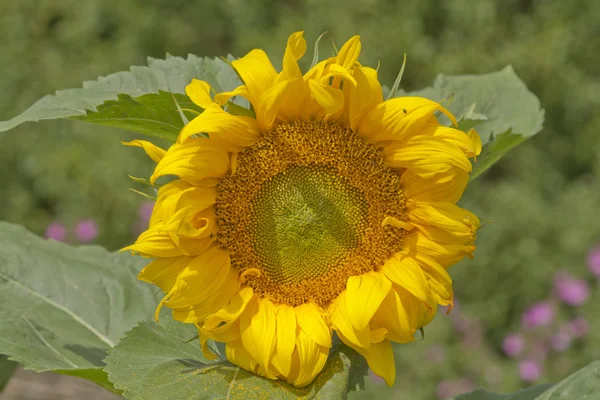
(307, 219)
(303, 210)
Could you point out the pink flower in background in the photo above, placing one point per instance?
(513, 345)
(561, 341)
(593, 261)
(445, 390)
(436, 354)
(579, 327)
(86, 230)
(145, 210)
(56, 231)
(574, 292)
(529, 371)
(539, 314)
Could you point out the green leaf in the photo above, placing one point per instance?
(582, 385)
(154, 361)
(139, 99)
(526, 394)
(63, 307)
(498, 104)
(151, 114)
(7, 367)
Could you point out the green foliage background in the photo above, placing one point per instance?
(544, 197)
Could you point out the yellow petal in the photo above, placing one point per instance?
(476, 142)
(349, 52)
(239, 355)
(364, 296)
(177, 195)
(407, 272)
(457, 222)
(156, 243)
(206, 352)
(153, 151)
(194, 161)
(258, 326)
(296, 47)
(311, 321)
(312, 359)
(426, 156)
(199, 92)
(222, 321)
(223, 97)
(417, 245)
(395, 222)
(398, 118)
(163, 271)
(439, 188)
(257, 73)
(393, 316)
(330, 99)
(270, 104)
(341, 322)
(380, 358)
(364, 96)
(468, 143)
(204, 275)
(286, 338)
(232, 132)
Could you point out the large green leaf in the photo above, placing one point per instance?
(582, 385)
(139, 99)
(7, 367)
(525, 394)
(63, 306)
(154, 361)
(499, 105)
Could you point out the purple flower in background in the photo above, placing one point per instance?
(539, 314)
(145, 210)
(445, 389)
(579, 327)
(436, 354)
(574, 292)
(593, 261)
(513, 345)
(529, 371)
(56, 231)
(86, 230)
(561, 341)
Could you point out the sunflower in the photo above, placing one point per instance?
(322, 208)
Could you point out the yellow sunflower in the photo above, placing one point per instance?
(327, 210)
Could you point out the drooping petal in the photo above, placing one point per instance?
(330, 99)
(341, 323)
(380, 358)
(364, 96)
(407, 272)
(312, 358)
(349, 52)
(286, 338)
(311, 321)
(194, 161)
(218, 326)
(239, 355)
(232, 132)
(163, 271)
(256, 72)
(364, 296)
(448, 188)
(425, 156)
(199, 92)
(258, 327)
(393, 316)
(153, 151)
(398, 118)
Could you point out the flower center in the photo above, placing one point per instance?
(303, 211)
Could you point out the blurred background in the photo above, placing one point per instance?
(526, 309)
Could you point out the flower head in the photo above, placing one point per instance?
(572, 291)
(56, 231)
(539, 314)
(593, 261)
(513, 345)
(530, 370)
(86, 230)
(324, 208)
